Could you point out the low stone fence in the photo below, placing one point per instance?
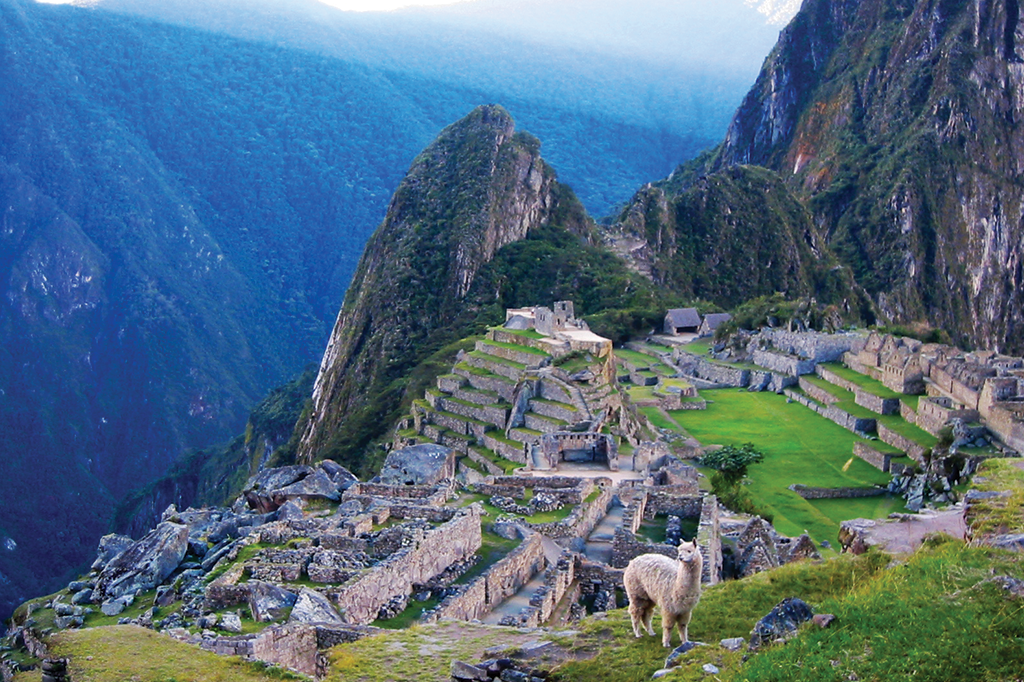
(427, 556)
(487, 465)
(809, 493)
(513, 453)
(876, 404)
(817, 392)
(332, 635)
(879, 460)
(908, 413)
(836, 380)
(523, 357)
(913, 449)
(292, 646)
(502, 580)
(834, 414)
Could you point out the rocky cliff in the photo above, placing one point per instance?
(897, 124)
(480, 186)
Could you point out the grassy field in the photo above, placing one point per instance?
(937, 616)
(635, 358)
(800, 447)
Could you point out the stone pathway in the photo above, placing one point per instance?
(599, 544)
(516, 602)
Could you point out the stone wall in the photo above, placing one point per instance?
(428, 555)
(834, 414)
(876, 404)
(814, 346)
(836, 380)
(487, 465)
(809, 493)
(908, 413)
(817, 392)
(581, 520)
(879, 460)
(558, 579)
(960, 392)
(523, 357)
(292, 646)
(502, 387)
(914, 450)
(935, 413)
(784, 364)
(332, 635)
(513, 453)
(709, 539)
(499, 582)
(493, 414)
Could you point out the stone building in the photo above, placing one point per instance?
(682, 321)
(711, 322)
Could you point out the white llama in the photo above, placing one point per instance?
(655, 580)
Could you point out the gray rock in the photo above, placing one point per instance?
(1013, 542)
(733, 643)
(79, 585)
(208, 621)
(674, 658)
(317, 485)
(113, 607)
(512, 675)
(660, 673)
(464, 672)
(165, 596)
(145, 564)
(231, 622)
(313, 607)
(291, 510)
(710, 669)
(269, 602)
(780, 623)
(82, 597)
(109, 547)
(258, 491)
(349, 508)
(65, 622)
(423, 464)
(341, 476)
(63, 609)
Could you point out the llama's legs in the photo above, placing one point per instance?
(667, 621)
(649, 618)
(683, 623)
(636, 615)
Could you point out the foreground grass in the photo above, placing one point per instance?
(728, 609)
(1003, 514)
(935, 618)
(126, 652)
(800, 446)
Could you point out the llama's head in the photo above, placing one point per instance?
(689, 552)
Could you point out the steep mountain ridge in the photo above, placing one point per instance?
(897, 124)
(478, 187)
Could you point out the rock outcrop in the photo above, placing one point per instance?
(145, 564)
(896, 125)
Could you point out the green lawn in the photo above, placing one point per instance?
(527, 333)
(658, 417)
(800, 447)
(641, 393)
(701, 347)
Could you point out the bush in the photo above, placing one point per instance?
(732, 461)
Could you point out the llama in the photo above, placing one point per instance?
(655, 580)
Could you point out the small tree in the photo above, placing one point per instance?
(732, 461)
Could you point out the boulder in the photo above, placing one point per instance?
(675, 658)
(424, 464)
(231, 622)
(341, 476)
(316, 486)
(145, 564)
(269, 602)
(781, 622)
(290, 511)
(109, 547)
(82, 597)
(113, 607)
(260, 487)
(313, 607)
(165, 596)
(464, 672)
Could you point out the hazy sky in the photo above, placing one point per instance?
(378, 5)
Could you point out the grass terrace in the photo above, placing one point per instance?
(869, 384)
(635, 358)
(641, 393)
(800, 447)
(480, 355)
(908, 430)
(515, 346)
(525, 333)
(111, 654)
(506, 465)
(699, 347)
